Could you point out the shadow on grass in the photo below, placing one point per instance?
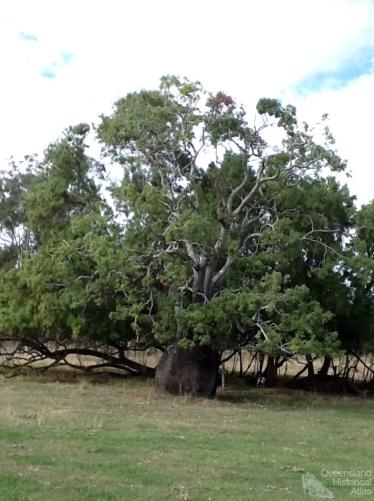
(281, 399)
(239, 392)
(67, 375)
(269, 397)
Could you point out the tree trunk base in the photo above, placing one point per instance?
(271, 371)
(191, 371)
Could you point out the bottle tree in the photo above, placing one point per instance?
(202, 194)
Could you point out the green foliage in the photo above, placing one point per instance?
(360, 274)
(221, 239)
(272, 317)
(253, 210)
(66, 187)
(15, 235)
(66, 288)
(73, 286)
(273, 107)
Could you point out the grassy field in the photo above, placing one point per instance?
(92, 439)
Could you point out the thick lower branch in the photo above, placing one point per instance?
(41, 352)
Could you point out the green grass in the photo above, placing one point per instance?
(120, 440)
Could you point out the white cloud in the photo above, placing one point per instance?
(250, 49)
(351, 111)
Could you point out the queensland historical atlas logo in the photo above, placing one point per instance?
(358, 481)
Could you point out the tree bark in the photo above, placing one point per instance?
(323, 372)
(311, 373)
(192, 371)
(271, 371)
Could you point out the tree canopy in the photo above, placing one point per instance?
(223, 234)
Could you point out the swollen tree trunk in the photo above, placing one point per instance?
(192, 371)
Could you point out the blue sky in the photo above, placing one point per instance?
(27, 37)
(54, 63)
(348, 70)
(67, 61)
